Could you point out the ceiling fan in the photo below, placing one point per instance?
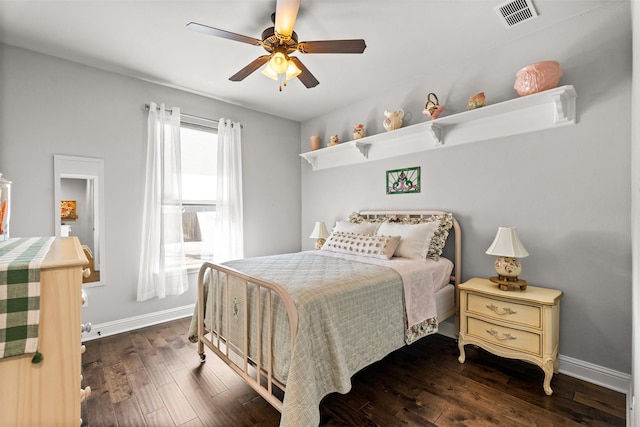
(280, 41)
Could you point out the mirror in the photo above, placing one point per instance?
(79, 208)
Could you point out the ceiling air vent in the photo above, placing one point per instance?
(515, 12)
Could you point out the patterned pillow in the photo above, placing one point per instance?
(439, 237)
(372, 246)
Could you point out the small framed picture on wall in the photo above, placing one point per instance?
(403, 181)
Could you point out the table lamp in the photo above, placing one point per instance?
(319, 233)
(508, 248)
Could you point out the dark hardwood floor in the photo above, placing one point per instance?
(153, 377)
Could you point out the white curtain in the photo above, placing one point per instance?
(229, 239)
(163, 269)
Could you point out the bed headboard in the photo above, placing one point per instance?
(456, 238)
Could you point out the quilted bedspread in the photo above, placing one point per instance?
(344, 325)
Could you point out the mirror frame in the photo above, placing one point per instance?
(83, 168)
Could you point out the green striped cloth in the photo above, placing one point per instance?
(20, 260)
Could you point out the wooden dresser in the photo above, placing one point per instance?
(49, 393)
(519, 324)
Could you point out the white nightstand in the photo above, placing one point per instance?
(519, 324)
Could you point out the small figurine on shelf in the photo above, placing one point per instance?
(476, 101)
(358, 131)
(315, 142)
(432, 108)
(393, 120)
(334, 141)
(537, 77)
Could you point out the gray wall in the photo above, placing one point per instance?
(567, 190)
(51, 106)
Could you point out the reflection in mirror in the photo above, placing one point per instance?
(79, 208)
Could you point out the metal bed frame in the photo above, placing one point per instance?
(256, 372)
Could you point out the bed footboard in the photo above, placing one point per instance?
(236, 303)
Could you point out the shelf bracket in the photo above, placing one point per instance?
(363, 148)
(435, 132)
(312, 160)
(564, 107)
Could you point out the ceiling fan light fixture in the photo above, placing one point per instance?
(268, 71)
(279, 41)
(279, 62)
(292, 70)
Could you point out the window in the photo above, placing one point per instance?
(198, 145)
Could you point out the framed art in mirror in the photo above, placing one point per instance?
(79, 209)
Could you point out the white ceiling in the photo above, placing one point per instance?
(148, 40)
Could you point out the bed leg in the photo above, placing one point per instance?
(201, 353)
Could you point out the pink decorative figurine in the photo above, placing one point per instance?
(432, 108)
(476, 101)
(537, 77)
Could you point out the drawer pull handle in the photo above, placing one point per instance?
(505, 336)
(84, 393)
(85, 327)
(504, 312)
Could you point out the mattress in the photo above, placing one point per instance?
(445, 300)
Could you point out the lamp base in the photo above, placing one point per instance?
(320, 243)
(505, 282)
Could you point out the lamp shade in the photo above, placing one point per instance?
(278, 62)
(319, 231)
(268, 71)
(507, 244)
(292, 71)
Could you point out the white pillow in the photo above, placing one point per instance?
(362, 228)
(367, 245)
(415, 238)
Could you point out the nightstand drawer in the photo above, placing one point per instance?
(507, 337)
(507, 311)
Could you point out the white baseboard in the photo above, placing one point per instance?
(595, 374)
(586, 371)
(106, 329)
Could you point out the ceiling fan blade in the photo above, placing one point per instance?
(286, 13)
(332, 46)
(254, 65)
(193, 26)
(305, 75)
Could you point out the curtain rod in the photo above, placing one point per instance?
(146, 107)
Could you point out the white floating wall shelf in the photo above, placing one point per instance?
(543, 110)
